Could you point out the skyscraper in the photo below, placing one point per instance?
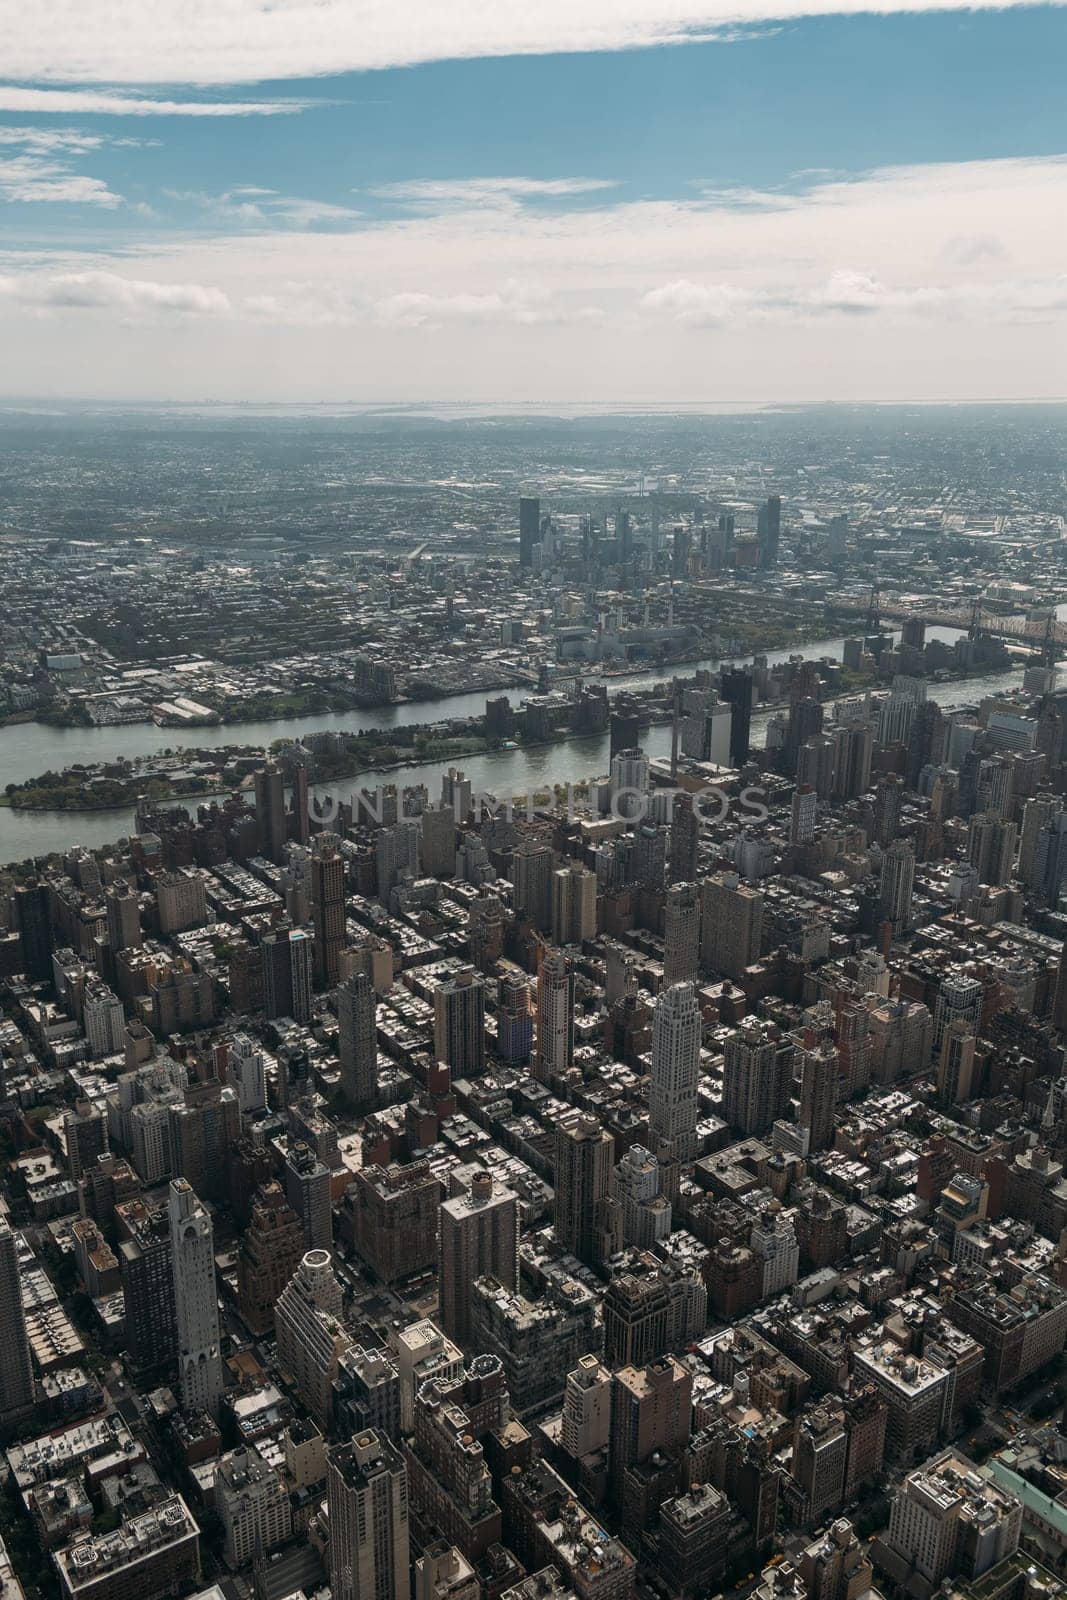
(327, 907)
(200, 1375)
(803, 811)
(531, 877)
(683, 846)
(459, 1023)
(514, 1019)
(529, 528)
(123, 917)
(584, 1161)
(397, 855)
(757, 1076)
(307, 1189)
(479, 1235)
(737, 686)
(33, 924)
(681, 933)
(958, 996)
(247, 1072)
(366, 1492)
(555, 1016)
(573, 904)
(731, 926)
(672, 1094)
(269, 785)
(438, 841)
(895, 885)
(820, 1070)
(287, 971)
(357, 1041)
(769, 530)
(16, 1369)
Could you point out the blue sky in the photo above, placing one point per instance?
(718, 208)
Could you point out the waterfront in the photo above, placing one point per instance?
(29, 749)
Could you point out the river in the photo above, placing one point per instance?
(28, 749)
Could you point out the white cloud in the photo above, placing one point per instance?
(439, 193)
(849, 288)
(114, 102)
(247, 41)
(93, 291)
(32, 178)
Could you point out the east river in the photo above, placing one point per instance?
(29, 749)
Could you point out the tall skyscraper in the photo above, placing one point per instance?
(269, 785)
(681, 933)
(438, 841)
(459, 1023)
(529, 528)
(585, 1159)
(573, 904)
(307, 1189)
(287, 972)
(819, 1074)
(123, 917)
(683, 847)
(479, 1235)
(991, 846)
(958, 996)
(33, 924)
(327, 907)
(895, 885)
(397, 855)
(803, 811)
(531, 878)
(737, 687)
(247, 1072)
(367, 1496)
(357, 1041)
(769, 530)
(732, 925)
(757, 1076)
(200, 1374)
(514, 1019)
(16, 1368)
(672, 1093)
(555, 1016)
(805, 722)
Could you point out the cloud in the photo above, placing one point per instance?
(247, 41)
(115, 102)
(253, 206)
(847, 288)
(438, 193)
(92, 291)
(31, 178)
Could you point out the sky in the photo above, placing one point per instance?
(570, 201)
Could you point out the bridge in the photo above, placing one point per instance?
(1043, 634)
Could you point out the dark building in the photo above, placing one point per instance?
(737, 688)
(529, 528)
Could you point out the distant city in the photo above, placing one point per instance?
(533, 1005)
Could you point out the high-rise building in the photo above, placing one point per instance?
(652, 1306)
(287, 973)
(459, 1023)
(479, 1236)
(514, 1019)
(397, 854)
(955, 1064)
(852, 761)
(573, 904)
(958, 996)
(672, 1094)
(395, 1215)
(737, 685)
(684, 843)
(252, 1504)
(248, 1074)
(991, 846)
(531, 878)
(637, 1186)
(732, 925)
(586, 1421)
(948, 1520)
(681, 933)
(123, 917)
(529, 528)
(357, 1041)
(584, 1159)
(270, 1252)
(33, 924)
(757, 1076)
(555, 1016)
(628, 784)
(651, 1419)
(438, 842)
(269, 785)
(895, 885)
(311, 1332)
(86, 1136)
(367, 1496)
(16, 1369)
(327, 907)
(820, 1071)
(803, 811)
(307, 1189)
(146, 1266)
(805, 722)
(200, 1374)
(820, 1450)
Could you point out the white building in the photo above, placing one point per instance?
(200, 1374)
